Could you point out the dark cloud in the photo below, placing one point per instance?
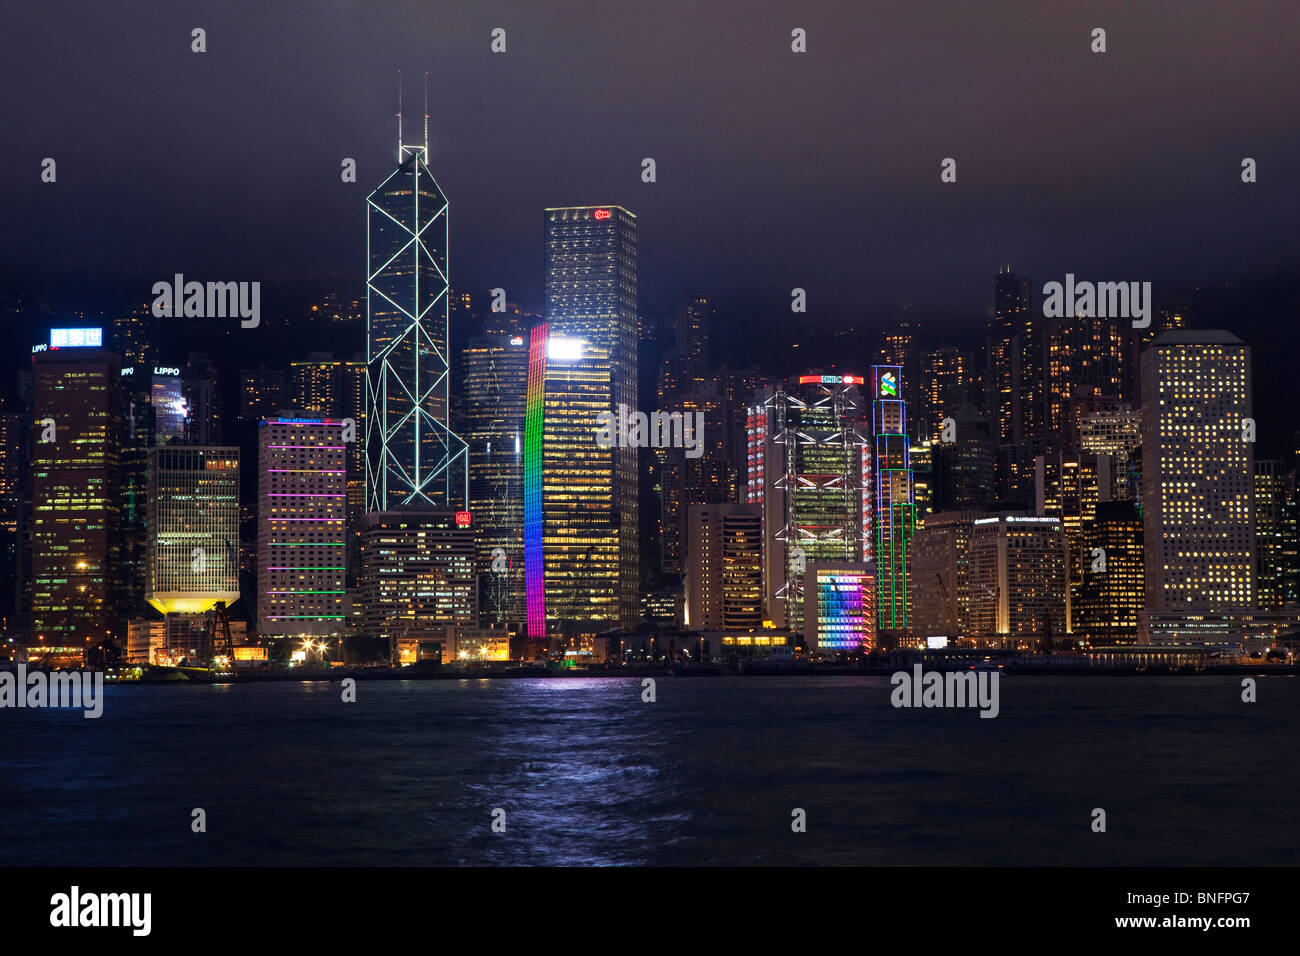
(774, 169)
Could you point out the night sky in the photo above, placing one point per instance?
(775, 169)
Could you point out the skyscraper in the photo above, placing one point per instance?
(326, 387)
(417, 574)
(724, 571)
(301, 527)
(686, 480)
(685, 366)
(1010, 354)
(901, 346)
(495, 388)
(1112, 594)
(262, 392)
(75, 502)
(839, 607)
(413, 458)
(170, 412)
(1273, 531)
(964, 468)
(573, 548)
(1113, 435)
(202, 400)
(894, 515)
(944, 388)
(588, 536)
(1016, 569)
(193, 528)
(1086, 359)
(135, 337)
(1197, 473)
(938, 579)
(810, 470)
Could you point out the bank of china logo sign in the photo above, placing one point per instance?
(888, 384)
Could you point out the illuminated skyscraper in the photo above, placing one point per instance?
(301, 527)
(413, 458)
(921, 455)
(193, 528)
(169, 409)
(1086, 359)
(839, 607)
(13, 466)
(894, 516)
(685, 366)
(1065, 487)
(1274, 529)
(262, 393)
(572, 529)
(1113, 435)
(1197, 473)
(135, 338)
(316, 384)
(581, 537)
(1016, 583)
(1014, 359)
(417, 574)
(945, 384)
(75, 500)
(1111, 596)
(202, 400)
(686, 480)
(724, 570)
(810, 470)
(901, 346)
(495, 388)
(336, 388)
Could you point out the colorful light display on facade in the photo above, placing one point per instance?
(534, 566)
(895, 510)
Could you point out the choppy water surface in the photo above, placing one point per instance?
(708, 774)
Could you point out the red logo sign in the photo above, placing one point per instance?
(602, 213)
(462, 519)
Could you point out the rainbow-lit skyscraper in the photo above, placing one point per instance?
(534, 577)
(895, 509)
(581, 554)
(571, 527)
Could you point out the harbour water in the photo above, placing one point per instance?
(708, 774)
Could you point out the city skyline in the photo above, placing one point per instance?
(1080, 465)
(689, 434)
(472, 404)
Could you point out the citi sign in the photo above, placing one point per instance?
(602, 213)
